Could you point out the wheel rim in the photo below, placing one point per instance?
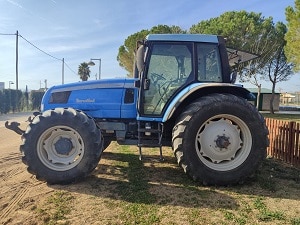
(60, 148)
(223, 142)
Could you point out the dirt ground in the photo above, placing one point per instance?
(25, 200)
(16, 184)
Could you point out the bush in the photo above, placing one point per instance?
(17, 101)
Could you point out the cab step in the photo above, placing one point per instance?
(150, 135)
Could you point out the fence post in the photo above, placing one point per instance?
(291, 141)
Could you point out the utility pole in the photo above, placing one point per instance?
(17, 60)
(63, 71)
(99, 67)
(26, 96)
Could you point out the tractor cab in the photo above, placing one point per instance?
(167, 64)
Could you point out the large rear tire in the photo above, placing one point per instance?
(220, 139)
(61, 146)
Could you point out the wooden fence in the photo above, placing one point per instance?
(284, 140)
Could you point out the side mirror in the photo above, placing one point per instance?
(233, 76)
(146, 84)
(140, 58)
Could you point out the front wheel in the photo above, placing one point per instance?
(220, 139)
(61, 146)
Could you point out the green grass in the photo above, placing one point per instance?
(137, 186)
(143, 206)
(280, 116)
(264, 213)
(124, 190)
(139, 207)
(295, 221)
(57, 207)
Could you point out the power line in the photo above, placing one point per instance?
(6, 34)
(70, 68)
(48, 54)
(39, 48)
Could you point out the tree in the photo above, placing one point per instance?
(36, 99)
(17, 101)
(278, 69)
(7, 102)
(84, 71)
(126, 51)
(292, 37)
(2, 102)
(246, 31)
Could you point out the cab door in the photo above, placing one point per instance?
(168, 69)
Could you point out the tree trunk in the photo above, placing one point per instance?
(272, 99)
(258, 95)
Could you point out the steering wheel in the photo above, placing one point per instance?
(156, 77)
(163, 90)
(163, 93)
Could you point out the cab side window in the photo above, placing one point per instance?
(209, 64)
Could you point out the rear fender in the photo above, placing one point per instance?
(197, 90)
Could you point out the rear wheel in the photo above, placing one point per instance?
(220, 139)
(61, 146)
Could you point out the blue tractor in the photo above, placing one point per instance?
(182, 96)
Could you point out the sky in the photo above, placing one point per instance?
(80, 30)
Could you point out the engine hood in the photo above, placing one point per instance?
(107, 98)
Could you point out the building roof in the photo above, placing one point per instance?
(287, 95)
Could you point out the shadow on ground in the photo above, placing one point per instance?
(121, 176)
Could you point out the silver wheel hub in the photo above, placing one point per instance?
(223, 142)
(60, 148)
(63, 146)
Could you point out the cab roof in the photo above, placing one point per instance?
(184, 37)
